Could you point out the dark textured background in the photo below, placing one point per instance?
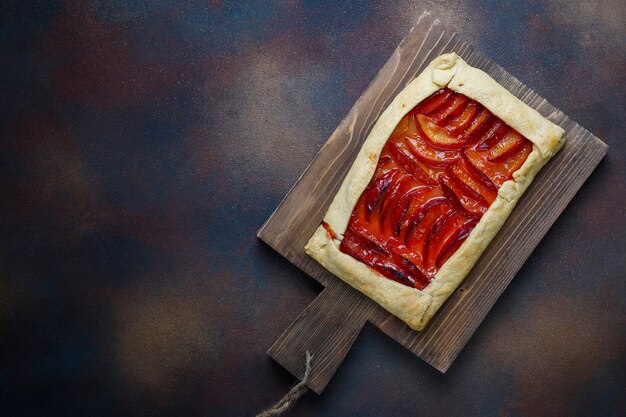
(142, 144)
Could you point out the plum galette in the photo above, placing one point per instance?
(434, 181)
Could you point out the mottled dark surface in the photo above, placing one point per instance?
(143, 143)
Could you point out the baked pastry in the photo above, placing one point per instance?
(433, 183)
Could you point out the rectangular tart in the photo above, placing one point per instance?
(434, 181)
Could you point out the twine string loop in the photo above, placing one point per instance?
(293, 395)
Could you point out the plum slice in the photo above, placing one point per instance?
(360, 247)
(460, 236)
(492, 134)
(407, 160)
(464, 118)
(393, 214)
(453, 107)
(450, 230)
(515, 161)
(417, 239)
(506, 146)
(465, 174)
(376, 189)
(477, 124)
(486, 167)
(407, 260)
(471, 201)
(429, 155)
(435, 101)
(438, 135)
(417, 208)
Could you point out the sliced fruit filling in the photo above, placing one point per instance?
(436, 176)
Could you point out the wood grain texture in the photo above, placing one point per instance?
(328, 327)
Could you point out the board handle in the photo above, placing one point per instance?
(327, 329)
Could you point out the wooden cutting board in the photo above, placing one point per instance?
(329, 325)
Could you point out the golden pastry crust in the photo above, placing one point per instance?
(411, 305)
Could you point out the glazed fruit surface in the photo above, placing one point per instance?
(436, 176)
